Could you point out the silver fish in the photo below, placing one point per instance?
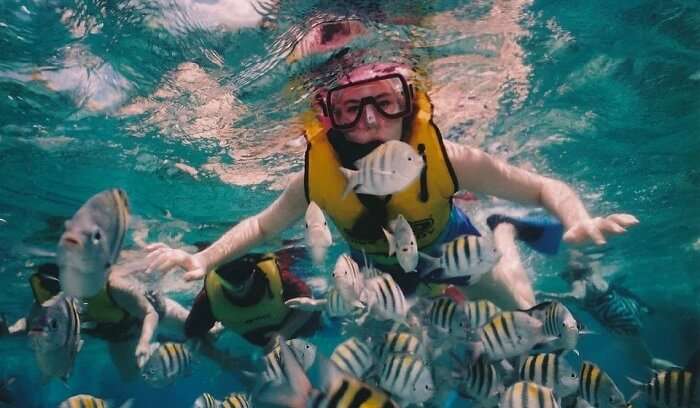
(670, 389)
(598, 389)
(396, 342)
(206, 400)
(54, 332)
(316, 233)
(464, 260)
(408, 378)
(304, 352)
(559, 324)
(336, 306)
(621, 314)
(236, 400)
(348, 280)
(168, 362)
(510, 334)
(91, 243)
(354, 357)
(88, 401)
(525, 394)
(550, 370)
(385, 299)
(390, 168)
(402, 242)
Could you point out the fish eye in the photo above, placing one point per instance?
(307, 224)
(96, 236)
(405, 249)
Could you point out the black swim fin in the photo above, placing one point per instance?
(543, 233)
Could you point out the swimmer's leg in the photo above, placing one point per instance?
(122, 353)
(17, 328)
(508, 285)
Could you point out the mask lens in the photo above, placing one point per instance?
(387, 94)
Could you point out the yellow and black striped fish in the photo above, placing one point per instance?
(354, 357)
(550, 370)
(408, 378)
(480, 381)
(479, 312)
(236, 400)
(336, 306)
(396, 342)
(448, 317)
(168, 362)
(88, 401)
(510, 334)
(671, 389)
(598, 389)
(385, 298)
(206, 400)
(524, 394)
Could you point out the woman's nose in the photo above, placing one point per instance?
(370, 116)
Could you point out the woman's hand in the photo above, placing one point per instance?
(143, 353)
(595, 229)
(163, 258)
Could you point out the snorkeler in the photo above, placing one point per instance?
(247, 296)
(374, 104)
(114, 308)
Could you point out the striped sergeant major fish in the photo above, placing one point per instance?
(317, 235)
(621, 314)
(448, 317)
(304, 352)
(354, 357)
(462, 261)
(524, 394)
(402, 242)
(348, 279)
(479, 312)
(168, 362)
(407, 378)
(54, 334)
(91, 243)
(385, 299)
(88, 401)
(559, 324)
(388, 169)
(397, 342)
(675, 388)
(510, 334)
(598, 389)
(236, 400)
(206, 400)
(479, 381)
(550, 370)
(336, 389)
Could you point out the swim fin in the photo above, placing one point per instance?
(541, 232)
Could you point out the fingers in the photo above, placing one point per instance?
(193, 275)
(156, 246)
(610, 226)
(624, 220)
(593, 231)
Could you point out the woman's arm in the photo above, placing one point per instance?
(480, 172)
(283, 212)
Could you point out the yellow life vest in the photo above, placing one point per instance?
(428, 215)
(102, 309)
(270, 311)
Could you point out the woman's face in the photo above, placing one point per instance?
(373, 125)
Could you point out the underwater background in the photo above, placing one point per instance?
(192, 106)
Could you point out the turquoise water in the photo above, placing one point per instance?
(600, 95)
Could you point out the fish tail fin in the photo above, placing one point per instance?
(636, 383)
(128, 403)
(390, 240)
(351, 183)
(431, 264)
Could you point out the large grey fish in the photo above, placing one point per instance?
(390, 168)
(619, 313)
(54, 332)
(446, 315)
(479, 381)
(304, 351)
(385, 299)
(91, 243)
(559, 324)
(168, 362)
